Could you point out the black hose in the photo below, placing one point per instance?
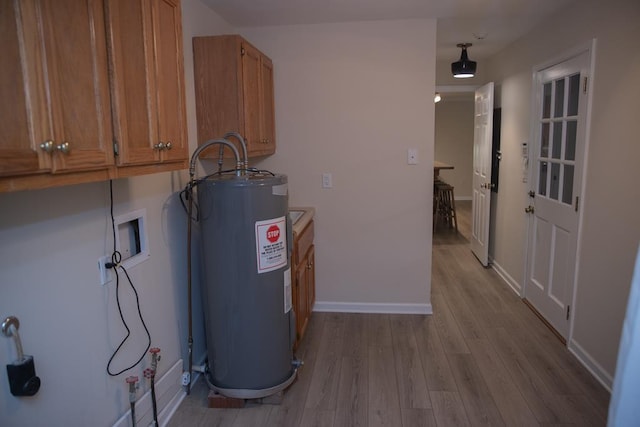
(153, 400)
(133, 414)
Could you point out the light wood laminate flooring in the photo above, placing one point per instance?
(482, 358)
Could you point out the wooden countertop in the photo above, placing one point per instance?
(302, 222)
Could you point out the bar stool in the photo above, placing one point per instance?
(444, 205)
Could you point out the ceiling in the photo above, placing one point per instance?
(490, 25)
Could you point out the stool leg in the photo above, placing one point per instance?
(454, 217)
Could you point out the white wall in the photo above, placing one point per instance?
(611, 204)
(50, 241)
(454, 141)
(350, 100)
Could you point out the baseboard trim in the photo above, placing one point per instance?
(169, 395)
(367, 307)
(599, 373)
(513, 284)
(463, 198)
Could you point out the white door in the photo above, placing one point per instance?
(481, 201)
(557, 161)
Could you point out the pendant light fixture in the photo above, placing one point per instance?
(464, 68)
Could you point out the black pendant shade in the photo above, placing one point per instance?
(464, 68)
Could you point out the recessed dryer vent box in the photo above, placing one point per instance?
(131, 237)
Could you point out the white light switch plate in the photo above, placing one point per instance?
(327, 180)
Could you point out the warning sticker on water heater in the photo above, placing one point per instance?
(271, 244)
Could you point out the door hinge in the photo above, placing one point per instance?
(116, 151)
(577, 203)
(568, 311)
(584, 84)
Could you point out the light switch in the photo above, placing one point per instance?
(327, 180)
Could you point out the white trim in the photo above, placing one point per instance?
(169, 395)
(583, 189)
(463, 198)
(368, 307)
(510, 281)
(603, 377)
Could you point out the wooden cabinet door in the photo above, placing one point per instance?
(171, 117)
(77, 90)
(131, 60)
(20, 117)
(147, 80)
(251, 96)
(267, 107)
(302, 313)
(311, 280)
(54, 87)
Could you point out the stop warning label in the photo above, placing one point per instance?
(271, 244)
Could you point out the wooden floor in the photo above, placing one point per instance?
(482, 358)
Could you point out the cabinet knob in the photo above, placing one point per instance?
(47, 146)
(64, 148)
(159, 146)
(168, 145)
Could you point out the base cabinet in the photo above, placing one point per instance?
(304, 290)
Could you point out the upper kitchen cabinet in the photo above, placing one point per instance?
(234, 92)
(55, 115)
(145, 55)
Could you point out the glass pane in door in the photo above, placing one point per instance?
(567, 184)
(544, 140)
(555, 181)
(558, 108)
(542, 179)
(546, 101)
(574, 94)
(557, 140)
(570, 140)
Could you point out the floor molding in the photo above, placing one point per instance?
(599, 373)
(367, 307)
(513, 283)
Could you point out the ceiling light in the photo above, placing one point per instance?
(464, 68)
(437, 98)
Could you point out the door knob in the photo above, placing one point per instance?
(64, 148)
(529, 209)
(159, 146)
(168, 145)
(47, 146)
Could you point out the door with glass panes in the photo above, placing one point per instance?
(557, 157)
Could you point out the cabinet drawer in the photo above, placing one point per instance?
(303, 242)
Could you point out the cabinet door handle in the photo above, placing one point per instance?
(64, 148)
(47, 146)
(168, 145)
(159, 146)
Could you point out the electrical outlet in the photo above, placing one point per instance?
(105, 273)
(412, 156)
(186, 378)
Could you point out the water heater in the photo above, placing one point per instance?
(246, 244)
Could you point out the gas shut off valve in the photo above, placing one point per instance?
(22, 372)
